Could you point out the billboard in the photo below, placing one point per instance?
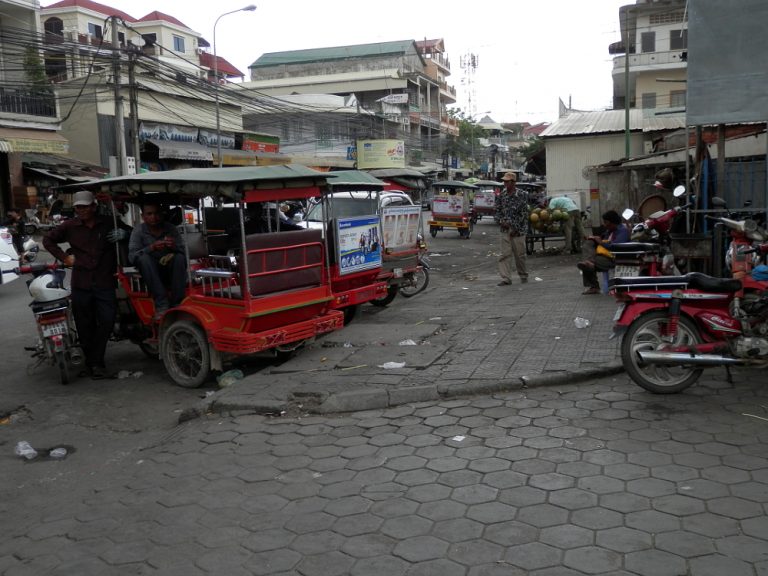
(359, 244)
(380, 154)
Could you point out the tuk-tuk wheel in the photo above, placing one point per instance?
(185, 354)
(151, 350)
(384, 300)
(350, 312)
(433, 231)
(465, 233)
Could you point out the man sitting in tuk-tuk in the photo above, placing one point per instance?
(157, 250)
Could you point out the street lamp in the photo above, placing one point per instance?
(249, 8)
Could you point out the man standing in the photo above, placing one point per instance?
(157, 250)
(512, 215)
(565, 204)
(93, 261)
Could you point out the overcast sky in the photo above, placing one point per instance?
(529, 53)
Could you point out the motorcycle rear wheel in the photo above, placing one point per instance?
(420, 283)
(645, 333)
(62, 363)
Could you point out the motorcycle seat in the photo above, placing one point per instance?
(640, 247)
(694, 280)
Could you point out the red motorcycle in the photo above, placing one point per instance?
(649, 253)
(675, 326)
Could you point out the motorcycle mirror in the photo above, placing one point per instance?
(750, 225)
(5, 258)
(678, 191)
(628, 213)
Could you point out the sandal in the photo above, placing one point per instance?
(591, 291)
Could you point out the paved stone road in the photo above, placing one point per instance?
(597, 478)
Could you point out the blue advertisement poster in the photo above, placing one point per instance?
(359, 243)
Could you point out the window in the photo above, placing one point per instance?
(121, 38)
(677, 98)
(678, 39)
(149, 39)
(178, 44)
(648, 42)
(54, 26)
(649, 100)
(668, 17)
(94, 30)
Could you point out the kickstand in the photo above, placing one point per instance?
(728, 375)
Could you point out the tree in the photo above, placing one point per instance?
(35, 72)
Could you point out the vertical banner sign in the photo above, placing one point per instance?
(359, 244)
(400, 225)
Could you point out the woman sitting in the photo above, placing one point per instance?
(614, 232)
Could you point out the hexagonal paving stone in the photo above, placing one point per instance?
(704, 489)
(533, 555)
(421, 548)
(625, 502)
(712, 525)
(596, 518)
(725, 474)
(511, 533)
(757, 527)
(447, 464)
(490, 512)
(573, 498)
(733, 507)
(332, 563)
(475, 494)
(623, 539)
(567, 536)
(388, 565)
(626, 471)
(652, 522)
(600, 484)
(458, 530)
(428, 492)
(485, 465)
(685, 544)
(651, 487)
(440, 566)
(678, 505)
(654, 563)
(522, 496)
(592, 559)
(475, 552)
(316, 542)
(357, 524)
(368, 545)
(406, 527)
(460, 478)
(743, 547)
(442, 510)
(754, 491)
(717, 565)
(542, 515)
(551, 481)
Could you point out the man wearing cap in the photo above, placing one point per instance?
(512, 215)
(93, 260)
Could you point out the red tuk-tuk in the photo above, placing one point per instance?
(452, 207)
(250, 288)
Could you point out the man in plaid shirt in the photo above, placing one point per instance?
(512, 215)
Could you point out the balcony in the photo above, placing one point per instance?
(24, 103)
(650, 61)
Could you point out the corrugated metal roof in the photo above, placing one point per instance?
(332, 53)
(611, 121)
(354, 178)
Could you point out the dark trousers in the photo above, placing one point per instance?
(157, 277)
(94, 312)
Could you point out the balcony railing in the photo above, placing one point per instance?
(649, 59)
(27, 103)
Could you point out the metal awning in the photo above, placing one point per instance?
(173, 150)
(249, 158)
(26, 140)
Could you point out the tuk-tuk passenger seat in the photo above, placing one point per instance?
(281, 261)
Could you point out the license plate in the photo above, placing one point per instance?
(619, 312)
(397, 272)
(626, 271)
(55, 329)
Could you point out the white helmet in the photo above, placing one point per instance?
(48, 287)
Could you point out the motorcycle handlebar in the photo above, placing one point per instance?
(37, 267)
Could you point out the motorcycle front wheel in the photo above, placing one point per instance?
(62, 363)
(420, 283)
(645, 334)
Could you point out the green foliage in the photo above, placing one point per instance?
(35, 72)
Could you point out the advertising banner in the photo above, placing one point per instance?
(380, 154)
(359, 244)
(446, 204)
(400, 225)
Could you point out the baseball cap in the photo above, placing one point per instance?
(83, 198)
(510, 176)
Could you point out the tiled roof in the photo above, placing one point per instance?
(153, 16)
(224, 67)
(93, 6)
(332, 53)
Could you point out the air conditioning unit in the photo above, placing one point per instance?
(200, 51)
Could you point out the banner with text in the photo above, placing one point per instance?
(380, 154)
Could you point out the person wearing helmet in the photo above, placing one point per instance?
(93, 260)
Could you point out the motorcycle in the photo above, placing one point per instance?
(649, 253)
(676, 326)
(57, 342)
(420, 279)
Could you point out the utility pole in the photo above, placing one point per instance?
(119, 114)
(134, 106)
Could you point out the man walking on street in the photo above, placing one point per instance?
(93, 260)
(565, 204)
(512, 215)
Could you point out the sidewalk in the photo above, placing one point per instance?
(466, 334)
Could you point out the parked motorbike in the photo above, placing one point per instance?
(57, 342)
(676, 326)
(420, 280)
(650, 252)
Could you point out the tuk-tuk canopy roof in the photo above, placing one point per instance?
(289, 181)
(481, 183)
(453, 184)
(354, 179)
(396, 173)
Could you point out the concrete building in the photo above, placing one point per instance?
(404, 83)
(29, 114)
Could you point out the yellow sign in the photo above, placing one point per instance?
(380, 154)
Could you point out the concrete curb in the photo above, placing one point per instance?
(370, 398)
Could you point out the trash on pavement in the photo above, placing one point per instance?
(392, 365)
(458, 438)
(123, 374)
(580, 322)
(25, 450)
(229, 377)
(58, 453)
(537, 279)
(408, 342)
